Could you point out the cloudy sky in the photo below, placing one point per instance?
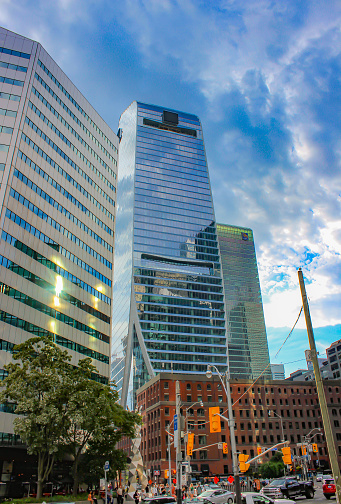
(264, 78)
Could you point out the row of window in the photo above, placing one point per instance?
(13, 82)
(70, 128)
(72, 181)
(64, 192)
(61, 209)
(54, 267)
(12, 52)
(70, 113)
(10, 66)
(6, 129)
(8, 113)
(4, 148)
(9, 96)
(78, 107)
(42, 215)
(41, 307)
(66, 158)
(51, 243)
(202, 295)
(28, 275)
(74, 148)
(12, 320)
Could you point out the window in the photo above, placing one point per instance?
(198, 386)
(209, 386)
(189, 398)
(166, 397)
(203, 454)
(188, 386)
(166, 385)
(220, 398)
(202, 440)
(166, 411)
(209, 398)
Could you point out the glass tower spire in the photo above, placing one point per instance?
(168, 296)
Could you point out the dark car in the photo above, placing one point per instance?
(289, 488)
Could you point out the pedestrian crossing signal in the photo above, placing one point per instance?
(286, 455)
(243, 466)
(315, 449)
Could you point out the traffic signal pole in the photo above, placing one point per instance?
(320, 392)
(177, 441)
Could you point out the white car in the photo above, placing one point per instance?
(256, 498)
(217, 496)
(319, 477)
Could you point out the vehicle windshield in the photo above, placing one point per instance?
(206, 493)
(277, 482)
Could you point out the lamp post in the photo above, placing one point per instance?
(231, 424)
(188, 458)
(281, 419)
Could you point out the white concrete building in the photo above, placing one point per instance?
(58, 166)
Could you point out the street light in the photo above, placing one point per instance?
(231, 424)
(188, 458)
(281, 419)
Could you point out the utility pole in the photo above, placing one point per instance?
(320, 391)
(177, 442)
(231, 424)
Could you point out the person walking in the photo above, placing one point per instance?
(119, 493)
(136, 497)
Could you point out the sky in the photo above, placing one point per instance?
(264, 78)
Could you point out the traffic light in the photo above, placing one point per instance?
(215, 425)
(286, 455)
(190, 443)
(243, 466)
(225, 448)
(174, 471)
(259, 450)
(166, 473)
(315, 449)
(304, 450)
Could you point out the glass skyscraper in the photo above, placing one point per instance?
(58, 163)
(247, 340)
(168, 302)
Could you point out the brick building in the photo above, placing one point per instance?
(296, 403)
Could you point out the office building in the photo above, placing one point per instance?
(58, 164)
(247, 340)
(168, 308)
(277, 371)
(334, 358)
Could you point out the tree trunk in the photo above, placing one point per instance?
(41, 458)
(75, 475)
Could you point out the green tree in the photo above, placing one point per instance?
(39, 383)
(273, 468)
(96, 419)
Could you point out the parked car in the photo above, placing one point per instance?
(288, 487)
(328, 488)
(217, 496)
(319, 477)
(256, 498)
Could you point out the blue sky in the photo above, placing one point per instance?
(264, 78)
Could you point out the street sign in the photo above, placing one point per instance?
(157, 472)
(230, 479)
(107, 466)
(274, 449)
(220, 446)
(175, 421)
(216, 480)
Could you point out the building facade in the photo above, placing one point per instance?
(168, 293)
(297, 412)
(334, 358)
(278, 371)
(247, 341)
(58, 165)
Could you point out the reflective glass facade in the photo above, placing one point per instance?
(247, 340)
(168, 301)
(58, 162)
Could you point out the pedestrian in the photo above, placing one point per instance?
(119, 493)
(94, 498)
(90, 498)
(136, 497)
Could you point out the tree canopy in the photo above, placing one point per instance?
(61, 409)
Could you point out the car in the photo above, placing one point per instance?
(256, 498)
(319, 477)
(217, 496)
(288, 487)
(160, 499)
(328, 488)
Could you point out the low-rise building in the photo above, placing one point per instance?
(264, 412)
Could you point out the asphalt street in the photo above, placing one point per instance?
(319, 497)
